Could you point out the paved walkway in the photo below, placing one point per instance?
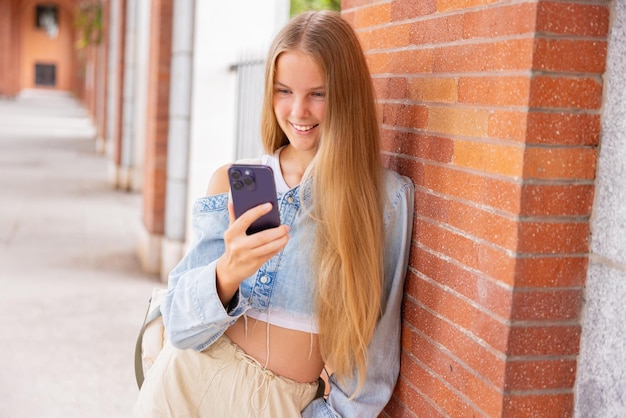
(72, 295)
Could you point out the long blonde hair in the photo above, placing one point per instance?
(346, 188)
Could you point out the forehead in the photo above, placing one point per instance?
(295, 68)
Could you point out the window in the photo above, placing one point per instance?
(47, 19)
(45, 75)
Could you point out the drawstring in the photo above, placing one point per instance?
(267, 377)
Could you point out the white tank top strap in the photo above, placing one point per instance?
(274, 162)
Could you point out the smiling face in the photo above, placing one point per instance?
(299, 99)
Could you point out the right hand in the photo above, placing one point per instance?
(244, 254)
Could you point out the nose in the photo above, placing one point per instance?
(300, 108)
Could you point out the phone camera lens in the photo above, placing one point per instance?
(235, 174)
(248, 181)
(237, 185)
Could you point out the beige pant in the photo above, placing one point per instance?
(221, 381)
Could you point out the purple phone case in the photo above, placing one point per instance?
(250, 186)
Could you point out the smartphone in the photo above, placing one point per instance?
(250, 186)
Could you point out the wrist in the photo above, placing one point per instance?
(225, 285)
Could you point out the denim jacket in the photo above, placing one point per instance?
(194, 316)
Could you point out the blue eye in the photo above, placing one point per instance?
(319, 94)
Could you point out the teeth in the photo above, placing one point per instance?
(303, 128)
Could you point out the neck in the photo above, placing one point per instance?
(294, 163)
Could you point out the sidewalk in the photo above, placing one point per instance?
(72, 295)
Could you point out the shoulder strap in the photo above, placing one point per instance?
(150, 316)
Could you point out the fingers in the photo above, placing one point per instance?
(248, 217)
(244, 254)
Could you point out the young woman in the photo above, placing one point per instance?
(254, 320)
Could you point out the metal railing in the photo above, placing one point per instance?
(250, 77)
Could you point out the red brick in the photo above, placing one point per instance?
(546, 304)
(567, 55)
(441, 394)
(410, 116)
(412, 61)
(441, 90)
(485, 292)
(550, 405)
(438, 30)
(391, 87)
(553, 237)
(550, 271)
(458, 121)
(503, 159)
(387, 37)
(484, 395)
(485, 225)
(487, 327)
(501, 21)
(565, 92)
(403, 10)
(540, 374)
(466, 251)
(348, 4)
(409, 397)
(495, 193)
(556, 340)
(576, 163)
(557, 18)
(379, 63)
(557, 200)
(459, 343)
(501, 194)
(508, 125)
(448, 5)
(426, 147)
(563, 128)
(374, 15)
(494, 91)
(404, 166)
(512, 54)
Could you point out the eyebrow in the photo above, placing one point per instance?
(279, 84)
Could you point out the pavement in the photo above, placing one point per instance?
(72, 294)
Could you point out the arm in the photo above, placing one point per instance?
(203, 298)
(193, 314)
(384, 349)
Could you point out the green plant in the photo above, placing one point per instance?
(299, 6)
(88, 24)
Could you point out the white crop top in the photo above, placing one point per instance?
(278, 318)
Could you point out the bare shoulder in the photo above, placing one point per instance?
(219, 181)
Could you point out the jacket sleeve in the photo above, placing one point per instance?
(384, 349)
(193, 314)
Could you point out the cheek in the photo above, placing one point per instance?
(280, 109)
(320, 110)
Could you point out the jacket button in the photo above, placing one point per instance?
(264, 279)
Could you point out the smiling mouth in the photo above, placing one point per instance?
(303, 128)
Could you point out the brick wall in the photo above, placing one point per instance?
(5, 47)
(493, 109)
(155, 164)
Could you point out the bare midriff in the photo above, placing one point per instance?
(292, 354)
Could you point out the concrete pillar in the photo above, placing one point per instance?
(123, 175)
(114, 86)
(601, 378)
(178, 135)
